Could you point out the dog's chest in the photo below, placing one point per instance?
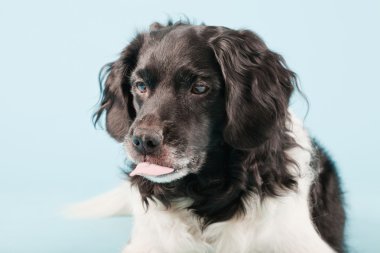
(244, 234)
(266, 227)
(179, 228)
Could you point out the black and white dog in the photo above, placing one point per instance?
(218, 163)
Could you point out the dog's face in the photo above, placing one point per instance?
(179, 92)
(179, 104)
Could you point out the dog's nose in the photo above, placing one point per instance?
(146, 141)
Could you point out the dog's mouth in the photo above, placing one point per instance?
(154, 172)
(165, 168)
(150, 169)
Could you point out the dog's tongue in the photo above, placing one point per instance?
(150, 169)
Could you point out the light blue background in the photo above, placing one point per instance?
(50, 155)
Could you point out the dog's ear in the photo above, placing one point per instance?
(258, 87)
(116, 98)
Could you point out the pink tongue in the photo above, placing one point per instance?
(150, 169)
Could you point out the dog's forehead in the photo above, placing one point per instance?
(181, 46)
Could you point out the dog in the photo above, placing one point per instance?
(216, 160)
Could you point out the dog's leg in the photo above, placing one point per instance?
(161, 230)
(113, 203)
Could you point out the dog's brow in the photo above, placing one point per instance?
(147, 75)
(189, 75)
(185, 75)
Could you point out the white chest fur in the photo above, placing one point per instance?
(279, 224)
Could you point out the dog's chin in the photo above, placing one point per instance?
(176, 174)
(170, 177)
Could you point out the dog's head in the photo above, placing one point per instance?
(180, 91)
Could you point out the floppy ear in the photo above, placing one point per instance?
(258, 87)
(116, 98)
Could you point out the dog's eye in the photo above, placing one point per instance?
(141, 87)
(199, 89)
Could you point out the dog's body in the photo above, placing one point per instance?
(219, 163)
